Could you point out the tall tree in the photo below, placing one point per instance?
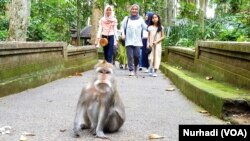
(96, 15)
(19, 15)
(78, 21)
(203, 5)
(170, 12)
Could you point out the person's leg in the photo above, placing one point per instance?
(140, 59)
(130, 58)
(115, 54)
(144, 55)
(136, 58)
(105, 53)
(110, 49)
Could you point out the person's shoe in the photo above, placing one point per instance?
(135, 72)
(154, 75)
(121, 67)
(146, 71)
(140, 69)
(131, 73)
(150, 73)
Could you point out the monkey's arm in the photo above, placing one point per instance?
(80, 121)
(101, 121)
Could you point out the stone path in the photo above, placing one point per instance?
(48, 111)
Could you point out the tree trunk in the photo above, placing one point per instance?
(170, 12)
(78, 24)
(96, 15)
(202, 15)
(19, 15)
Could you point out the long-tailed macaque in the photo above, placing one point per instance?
(100, 107)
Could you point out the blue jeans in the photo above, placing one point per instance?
(108, 50)
(133, 54)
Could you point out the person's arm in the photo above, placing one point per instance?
(144, 25)
(150, 44)
(162, 37)
(123, 27)
(115, 33)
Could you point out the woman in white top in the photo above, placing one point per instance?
(108, 29)
(131, 32)
(155, 37)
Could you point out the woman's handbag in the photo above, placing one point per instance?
(148, 50)
(103, 42)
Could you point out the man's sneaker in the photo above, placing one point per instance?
(154, 74)
(140, 68)
(131, 73)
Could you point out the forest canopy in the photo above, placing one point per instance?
(185, 21)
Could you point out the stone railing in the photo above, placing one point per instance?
(225, 61)
(25, 65)
(180, 57)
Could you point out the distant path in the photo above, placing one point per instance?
(47, 109)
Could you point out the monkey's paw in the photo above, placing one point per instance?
(101, 135)
(92, 131)
(83, 126)
(76, 135)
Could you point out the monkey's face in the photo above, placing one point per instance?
(103, 81)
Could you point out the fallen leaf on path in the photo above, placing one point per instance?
(62, 130)
(170, 89)
(155, 136)
(77, 74)
(209, 77)
(28, 134)
(23, 138)
(203, 111)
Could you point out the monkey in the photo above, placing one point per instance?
(100, 108)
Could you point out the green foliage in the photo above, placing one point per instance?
(185, 34)
(51, 20)
(189, 11)
(4, 21)
(228, 28)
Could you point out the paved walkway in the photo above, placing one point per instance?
(48, 111)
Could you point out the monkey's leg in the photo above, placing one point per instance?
(114, 122)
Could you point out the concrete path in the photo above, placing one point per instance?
(48, 111)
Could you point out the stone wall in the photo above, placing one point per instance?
(25, 65)
(224, 61)
(180, 57)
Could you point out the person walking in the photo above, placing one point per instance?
(144, 50)
(108, 29)
(132, 27)
(156, 35)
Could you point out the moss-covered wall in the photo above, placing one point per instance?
(224, 61)
(26, 65)
(180, 57)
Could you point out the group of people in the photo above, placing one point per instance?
(142, 39)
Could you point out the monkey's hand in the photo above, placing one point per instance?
(76, 132)
(92, 131)
(100, 134)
